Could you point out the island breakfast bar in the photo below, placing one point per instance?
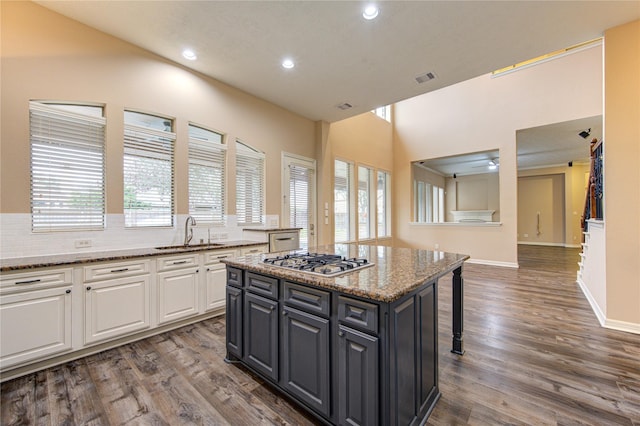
(348, 331)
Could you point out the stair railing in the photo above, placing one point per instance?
(593, 208)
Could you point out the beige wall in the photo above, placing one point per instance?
(364, 140)
(482, 114)
(622, 172)
(47, 56)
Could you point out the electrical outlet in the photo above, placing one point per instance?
(82, 243)
(273, 222)
(526, 235)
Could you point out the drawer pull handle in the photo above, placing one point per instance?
(223, 257)
(341, 333)
(120, 270)
(68, 291)
(284, 239)
(88, 288)
(285, 313)
(28, 282)
(179, 262)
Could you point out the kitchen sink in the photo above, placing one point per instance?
(190, 246)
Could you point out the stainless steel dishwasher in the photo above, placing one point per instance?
(284, 241)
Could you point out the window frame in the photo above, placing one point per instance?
(50, 132)
(246, 152)
(386, 204)
(204, 153)
(134, 151)
(349, 211)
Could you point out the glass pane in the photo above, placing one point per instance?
(341, 201)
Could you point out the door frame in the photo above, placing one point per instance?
(287, 159)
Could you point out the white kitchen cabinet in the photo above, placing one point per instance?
(114, 306)
(177, 288)
(34, 324)
(216, 279)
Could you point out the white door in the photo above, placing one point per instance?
(299, 194)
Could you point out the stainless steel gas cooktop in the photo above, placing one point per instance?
(328, 265)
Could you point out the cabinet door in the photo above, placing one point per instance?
(234, 321)
(177, 295)
(261, 334)
(305, 358)
(215, 288)
(357, 378)
(34, 324)
(114, 308)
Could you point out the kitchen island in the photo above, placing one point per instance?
(357, 348)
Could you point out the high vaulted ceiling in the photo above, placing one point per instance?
(341, 57)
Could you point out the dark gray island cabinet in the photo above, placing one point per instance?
(358, 349)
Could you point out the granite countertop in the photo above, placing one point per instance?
(19, 263)
(267, 229)
(396, 271)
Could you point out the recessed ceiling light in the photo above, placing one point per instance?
(189, 54)
(288, 64)
(370, 12)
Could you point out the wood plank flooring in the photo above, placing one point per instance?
(535, 355)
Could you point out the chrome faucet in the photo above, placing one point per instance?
(188, 232)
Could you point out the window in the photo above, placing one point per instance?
(67, 167)
(383, 189)
(429, 202)
(249, 185)
(343, 177)
(383, 112)
(206, 175)
(299, 198)
(148, 170)
(365, 188)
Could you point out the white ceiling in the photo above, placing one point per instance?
(340, 56)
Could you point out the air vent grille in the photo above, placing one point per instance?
(425, 77)
(345, 105)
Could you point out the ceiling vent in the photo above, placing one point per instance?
(345, 105)
(425, 77)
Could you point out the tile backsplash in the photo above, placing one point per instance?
(17, 239)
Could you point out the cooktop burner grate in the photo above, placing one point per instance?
(319, 263)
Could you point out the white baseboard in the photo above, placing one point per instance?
(594, 305)
(629, 327)
(533, 243)
(494, 263)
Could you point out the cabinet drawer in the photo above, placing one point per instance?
(306, 298)
(260, 284)
(254, 250)
(177, 262)
(234, 277)
(358, 314)
(212, 258)
(108, 271)
(34, 280)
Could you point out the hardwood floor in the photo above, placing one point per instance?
(535, 354)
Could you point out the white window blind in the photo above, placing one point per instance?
(148, 170)
(67, 167)
(300, 184)
(343, 178)
(207, 156)
(249, 185)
